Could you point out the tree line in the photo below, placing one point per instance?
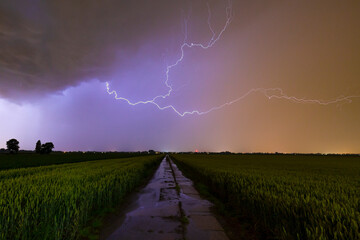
(13, 147)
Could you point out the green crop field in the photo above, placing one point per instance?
(22, 160)
(296, 196)
(55, 202)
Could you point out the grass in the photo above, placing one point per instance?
(59, 201)
(297, 196)
(23, 160)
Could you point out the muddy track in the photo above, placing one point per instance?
(169, 208)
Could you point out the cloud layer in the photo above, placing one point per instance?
(46, 46)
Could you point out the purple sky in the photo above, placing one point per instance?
(56, 57)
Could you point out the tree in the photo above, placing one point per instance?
(152, 152)
(47, 147)
(13, 145)
(38, 147)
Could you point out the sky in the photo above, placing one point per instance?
(216, 75)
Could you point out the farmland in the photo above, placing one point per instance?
(30, 159)
(55, 202)
(296, 196)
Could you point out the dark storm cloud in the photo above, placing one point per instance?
(46, 46)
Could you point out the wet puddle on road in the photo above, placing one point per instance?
(164, 211)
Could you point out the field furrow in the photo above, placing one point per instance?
(295, 196)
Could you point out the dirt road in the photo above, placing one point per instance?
(169, 208)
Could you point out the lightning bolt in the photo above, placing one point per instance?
(270, 93)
